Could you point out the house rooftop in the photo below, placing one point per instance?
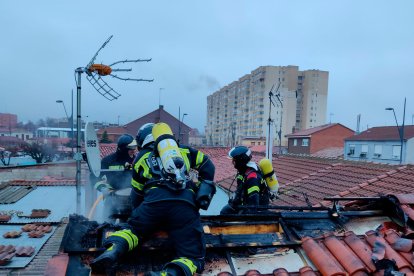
(308, 132)
(383, 133)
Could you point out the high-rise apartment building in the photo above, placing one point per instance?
(241, 109)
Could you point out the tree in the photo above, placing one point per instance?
(7, 154)
(30, 126)
(105, 138)
(39, 152)
(50, 122)
(41, 123)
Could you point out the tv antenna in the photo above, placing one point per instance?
(269, 137)
(94, 73)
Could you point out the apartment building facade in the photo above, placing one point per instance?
(242, 108)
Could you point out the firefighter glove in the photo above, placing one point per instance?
(205, 193)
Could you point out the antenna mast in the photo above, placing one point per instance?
(94, 73)
(269, 138)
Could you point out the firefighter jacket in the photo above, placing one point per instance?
(120, 178)
(149, 185)
(251, 188)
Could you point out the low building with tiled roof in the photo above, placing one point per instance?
(382, 145)
(312, 140)
(180, 129)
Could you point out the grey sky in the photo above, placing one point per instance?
(200, 46)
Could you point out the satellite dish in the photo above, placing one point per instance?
(92, 149)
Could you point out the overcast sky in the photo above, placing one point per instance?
(199, 46)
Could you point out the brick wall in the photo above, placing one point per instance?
(329, 138)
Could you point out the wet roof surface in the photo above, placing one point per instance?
(23, 240)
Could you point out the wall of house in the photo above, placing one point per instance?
(409, 152)
(329, 138)
(37, 172)
(386, 155)
(300, 148)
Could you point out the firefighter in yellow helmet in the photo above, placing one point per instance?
(165, 200)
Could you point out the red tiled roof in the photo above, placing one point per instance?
(213, 152)
(65, 182)
(10, 139)
(386, 133)
(330, 153)
(304, 178)
(259, 148)
(331, 181)
(352, 255)
(107, 149)
(112, 130)
(397, 181)
(310, 131)
(288, 168)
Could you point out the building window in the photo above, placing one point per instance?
(253, 143)
(305, 142)
(351, 150)
(258, 143)
(377, 151)
(396, 150)
(364, 151)
(295, 142)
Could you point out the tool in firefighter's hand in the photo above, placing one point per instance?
(104, 187)
(169, 154)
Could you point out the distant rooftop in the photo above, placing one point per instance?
(308, 132)
(384, 133)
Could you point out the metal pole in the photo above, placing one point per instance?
(398, 128)
(402, 133)
(269, 132)
(280, 130)
(78, 156)
(280, 124)
(71, 122)
(182, 121)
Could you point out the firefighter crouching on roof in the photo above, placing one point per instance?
(163, 201)
(251, 188)
(117, 171)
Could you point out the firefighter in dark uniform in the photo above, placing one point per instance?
(251, 186)
(119, 171)
(158, 205)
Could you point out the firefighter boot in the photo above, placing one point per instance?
(110, 257)
(175, 268)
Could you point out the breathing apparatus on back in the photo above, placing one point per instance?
(269, 175)
(172, 162)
